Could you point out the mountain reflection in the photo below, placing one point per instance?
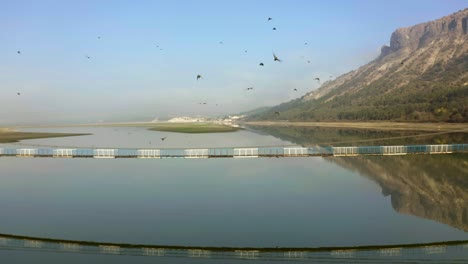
(430, 186)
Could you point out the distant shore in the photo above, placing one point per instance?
(193, 128)
(8, 135)
(184, 127)
(370, 125)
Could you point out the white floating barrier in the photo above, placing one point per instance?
(104, 153)
(246, 153)
(345, 151)
(295, 152)
(26, 152)
(196, 153)
(394, 150)
(439, 149)
(153, 252)
(248, 254)
(110, 249)
(149, 154)
(63, 153)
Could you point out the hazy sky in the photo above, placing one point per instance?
(129, 78)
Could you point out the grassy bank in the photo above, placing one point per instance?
(10, 136)
(192, 128)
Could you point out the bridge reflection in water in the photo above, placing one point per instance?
(444, 252)
(251, 152)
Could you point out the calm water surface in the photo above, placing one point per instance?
(295, 202)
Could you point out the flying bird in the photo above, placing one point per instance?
(19, 52)
(245, 51)
(275, 58)
(221, 42)
(249, 88)
(277, 113)
(18, 93)
(318, 79)
(88, 57)
(274, 28)
(261, 64)
(270, 18)
(308, 61)
(305, 43)
(295, 89)
(163, 138)
(199, 77)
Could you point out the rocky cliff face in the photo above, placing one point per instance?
(412, 51)
(435, 190)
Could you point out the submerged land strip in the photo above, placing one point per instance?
(12, 136)
(193, 128)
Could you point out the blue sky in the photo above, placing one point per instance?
(129, 78)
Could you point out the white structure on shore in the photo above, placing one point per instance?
(186, 119)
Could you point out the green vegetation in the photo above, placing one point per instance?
(438, 95)
(9, 136)
(193, 128)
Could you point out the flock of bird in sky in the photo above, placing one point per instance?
(199, 76)
(261, 64)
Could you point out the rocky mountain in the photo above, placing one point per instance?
(421, 76)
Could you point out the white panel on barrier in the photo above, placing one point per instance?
(246, 153)
(26, 152)
(345, 151)
(394, 150)
(295, 152)
(63, 153)
(436, 149)
(149, 153)
(104, 153)
(196, 153)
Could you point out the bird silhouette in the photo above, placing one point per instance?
(249, 88)
(221, 42)
(277, 113)
(245, 51)
(295, 89)
(275, 58)
(19, 52)
(199, 77)
(308, 61)
(274, 28)
(270, 18)
(305, 43)
(163, 138)
(88, 57)
(318, 79)
(18, 93)
(261, 64)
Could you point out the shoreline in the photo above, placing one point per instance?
(460, 127)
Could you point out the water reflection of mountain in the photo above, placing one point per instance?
(429, 186)
(348, 137)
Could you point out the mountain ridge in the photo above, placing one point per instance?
(421, 76)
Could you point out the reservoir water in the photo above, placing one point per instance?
(287, 202)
